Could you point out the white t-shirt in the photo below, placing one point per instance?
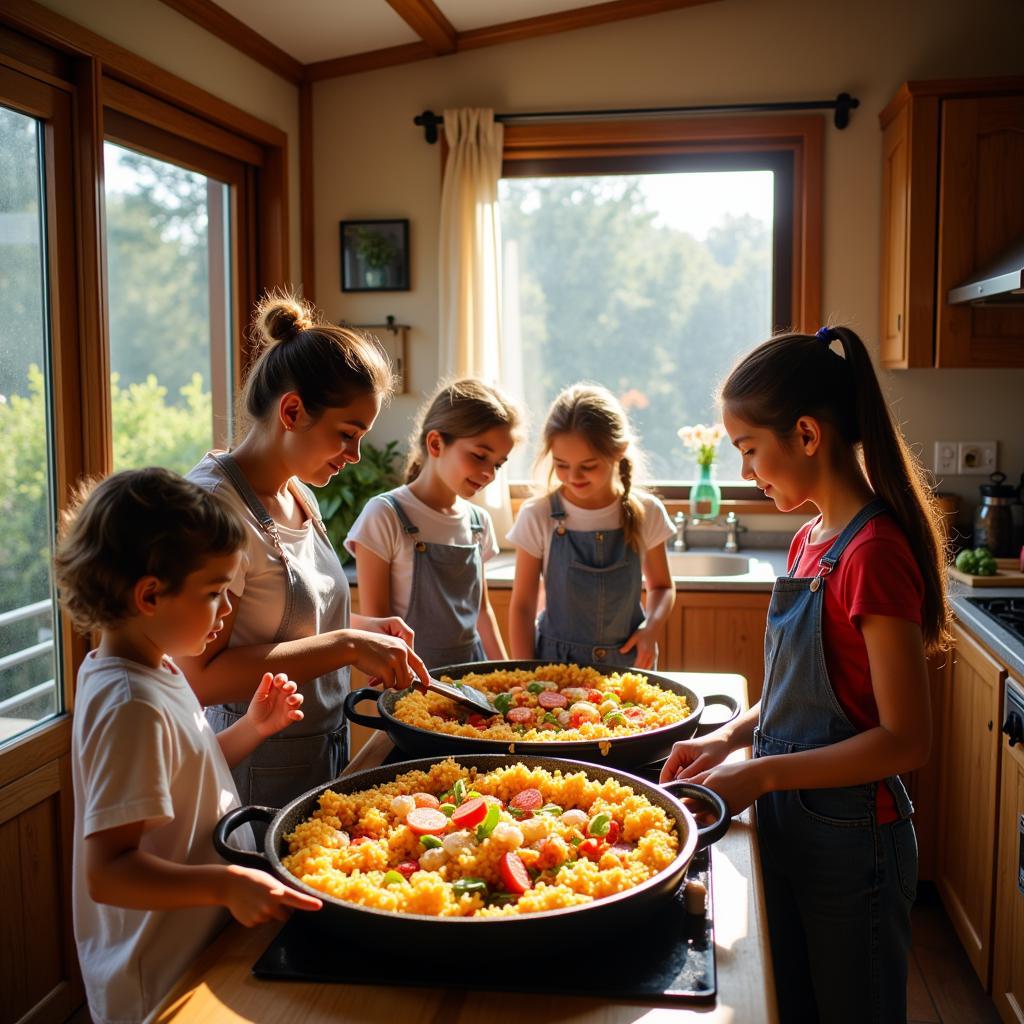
(142, 750)
(379, 530)
(534, 526)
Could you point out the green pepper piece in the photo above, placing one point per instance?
(503, 702)
(599, 824)
(462, 886)
(615, 717)
(431, 842)
(392, 877)
(550, 809)
(552, 719)
(487, 826)
(447, 809)
(459, 791)
(535, 687)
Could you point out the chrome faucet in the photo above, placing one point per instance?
(732, 528)
(679, 544)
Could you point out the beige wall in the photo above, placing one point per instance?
(168, 39)
(372, 162)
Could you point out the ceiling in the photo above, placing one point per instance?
(306, 40)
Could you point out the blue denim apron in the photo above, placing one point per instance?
(447, 586)
(592, 587)
(838, 887)
(314, 750)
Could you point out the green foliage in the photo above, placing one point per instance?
(608, 293)
(376, 249)
(342, 498)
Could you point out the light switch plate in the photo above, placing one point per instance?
(976, 458)
(946, 458)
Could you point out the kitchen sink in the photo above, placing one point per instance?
(707, 563)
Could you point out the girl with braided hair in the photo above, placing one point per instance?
(596, 541)
(845, 706)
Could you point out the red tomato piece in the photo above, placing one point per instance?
(637, 716)
(514, 874)
(595, 696)
(407, 867)
(527, 800)
(551, 699)
(521, 716)
(477, 721)
(426, 800)
(471, 813)
(613, 833)
(426, 821)
(359, 840)
(591, 849)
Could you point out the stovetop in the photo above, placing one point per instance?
(1007, 611)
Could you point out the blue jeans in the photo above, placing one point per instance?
(838, 891)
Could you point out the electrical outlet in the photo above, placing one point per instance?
(946, 458)
(976, 457)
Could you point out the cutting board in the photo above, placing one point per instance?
(1008, 574)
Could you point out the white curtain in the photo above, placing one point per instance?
(469, 262)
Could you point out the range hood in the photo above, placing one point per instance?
(1000, 283)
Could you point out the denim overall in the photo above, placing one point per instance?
(314, 750)
(447, 587)
(838, 886)
(592, 585)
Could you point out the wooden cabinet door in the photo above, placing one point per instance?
(968, 808)
(500, 600)
(724, 632)
(910, 139)
(1008, 966)
(981, 211)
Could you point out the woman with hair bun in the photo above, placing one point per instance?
(309, 399)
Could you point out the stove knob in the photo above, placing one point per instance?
(1014, 728)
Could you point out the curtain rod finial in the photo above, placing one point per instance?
(429, 121)
(844, 104)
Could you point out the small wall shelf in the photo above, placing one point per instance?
(393, 339)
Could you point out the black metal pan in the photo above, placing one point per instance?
(617, 914)
(620, 751)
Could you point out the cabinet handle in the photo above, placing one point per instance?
(990, 726)
(899, 321)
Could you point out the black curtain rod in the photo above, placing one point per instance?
(842, 105)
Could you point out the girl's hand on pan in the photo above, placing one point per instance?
(388, 660)
(691, 757)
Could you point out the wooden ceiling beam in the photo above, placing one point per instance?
(429, 23)
(371, 60)
(567, 21)
(227, 27)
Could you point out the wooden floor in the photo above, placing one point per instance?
(942, 987)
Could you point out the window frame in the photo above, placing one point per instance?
(629, 146)
(81, 82)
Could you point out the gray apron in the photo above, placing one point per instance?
(315, 750)
(592, 585)
(447, 587)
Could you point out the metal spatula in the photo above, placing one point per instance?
(467, 696)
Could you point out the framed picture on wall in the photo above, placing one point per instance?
(375, 255)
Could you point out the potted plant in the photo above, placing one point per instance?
(343, 497)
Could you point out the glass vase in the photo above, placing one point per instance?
(705, 496)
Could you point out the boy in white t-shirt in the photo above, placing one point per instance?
(146, 560)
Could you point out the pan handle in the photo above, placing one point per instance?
(709, 833)
(703, 728)
(357, 697)
(236, 819)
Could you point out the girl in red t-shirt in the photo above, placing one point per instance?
(845, 705)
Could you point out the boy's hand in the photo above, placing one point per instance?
(253, 896)
(275, 704)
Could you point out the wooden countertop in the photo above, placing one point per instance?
(219, 987)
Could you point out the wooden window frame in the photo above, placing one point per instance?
(626, 146)
(102, 82)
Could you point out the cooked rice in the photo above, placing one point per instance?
(318, 854)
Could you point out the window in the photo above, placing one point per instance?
(648, 258)
(169, 308)
(29, 664)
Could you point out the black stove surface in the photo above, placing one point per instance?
(1007, 611)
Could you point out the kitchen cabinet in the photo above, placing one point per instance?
(968, 806)
(1008, 948)
(952, 163)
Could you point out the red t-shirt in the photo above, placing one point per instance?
(876, 575)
